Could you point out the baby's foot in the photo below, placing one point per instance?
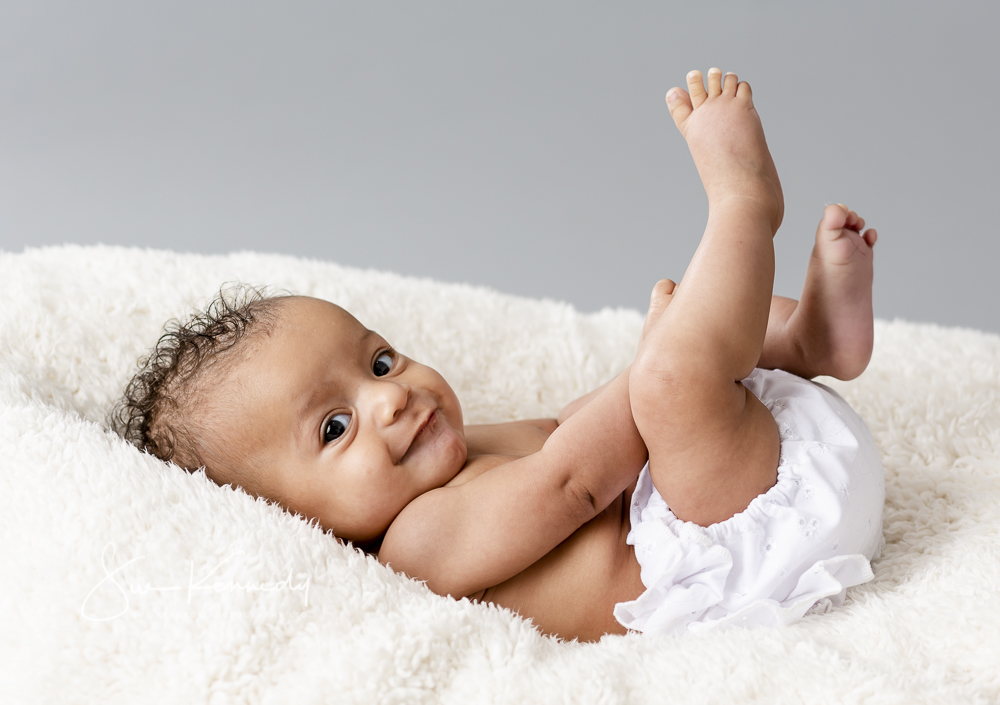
(663, 294)
(833, 323)
(724, 134)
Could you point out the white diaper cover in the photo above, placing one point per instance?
(796, 547)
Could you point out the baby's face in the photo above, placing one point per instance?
(348, 431)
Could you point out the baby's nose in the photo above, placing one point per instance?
(391, 399)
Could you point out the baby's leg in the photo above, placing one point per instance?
(713, 446)
(829, 331)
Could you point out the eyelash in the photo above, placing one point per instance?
(327, 422)
(387, 351)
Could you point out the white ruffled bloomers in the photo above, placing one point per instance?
(798, 546)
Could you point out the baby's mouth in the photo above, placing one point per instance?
(428, 424)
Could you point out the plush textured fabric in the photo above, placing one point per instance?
(217, 597)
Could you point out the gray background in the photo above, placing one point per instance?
(524, 146)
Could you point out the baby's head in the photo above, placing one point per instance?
(294, 400)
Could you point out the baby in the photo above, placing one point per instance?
(691, 491)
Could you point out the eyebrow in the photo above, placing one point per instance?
(305, 417)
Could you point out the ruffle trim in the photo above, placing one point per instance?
(672, 604)
(685, 568)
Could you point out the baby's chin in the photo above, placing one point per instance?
(453, 456)
(442, 453)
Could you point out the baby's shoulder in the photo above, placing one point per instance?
(427, 538)
(427, 509)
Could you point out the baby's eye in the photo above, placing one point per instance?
(383, 363)
(336, 427)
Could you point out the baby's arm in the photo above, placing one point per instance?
(464, 538)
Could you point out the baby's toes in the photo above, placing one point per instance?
(659, 299)
(743, 91)
(854, 221)
(834, 217)
(714, 82)
(680, 107)
(696, 87)
(729, 84)
(662, 289)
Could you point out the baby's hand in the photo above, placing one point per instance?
(663, 294)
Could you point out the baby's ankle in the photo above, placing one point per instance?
(751, 201)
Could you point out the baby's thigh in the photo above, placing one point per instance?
(713, 447)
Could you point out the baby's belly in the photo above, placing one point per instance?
(572, 591)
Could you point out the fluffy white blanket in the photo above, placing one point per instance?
(124, 580)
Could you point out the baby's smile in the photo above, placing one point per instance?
(347, 430)
(426, 433)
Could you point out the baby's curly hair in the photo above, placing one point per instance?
(163, 408)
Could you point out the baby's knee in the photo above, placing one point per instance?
(670, 387)
(653, 381)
